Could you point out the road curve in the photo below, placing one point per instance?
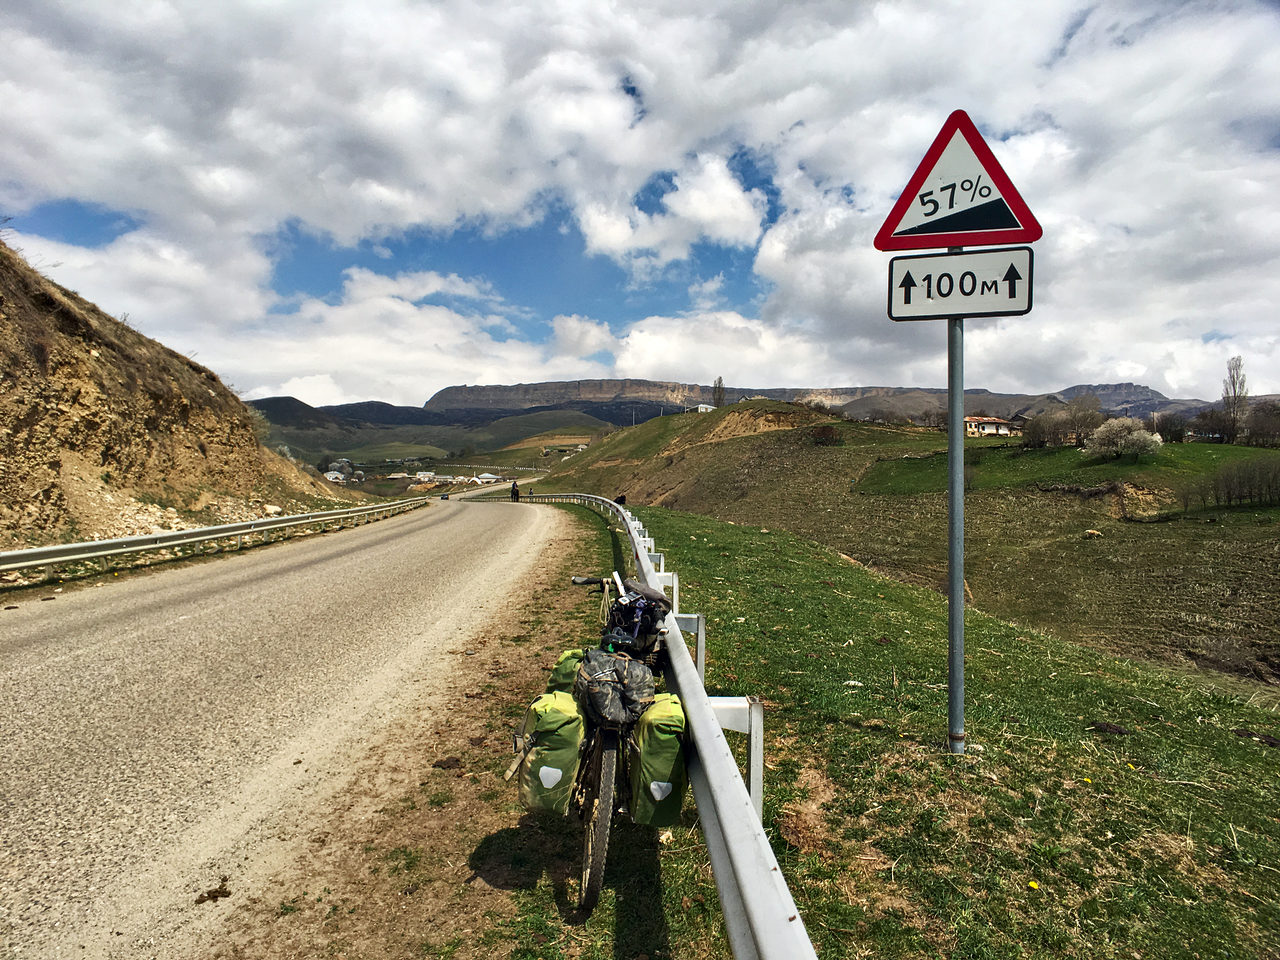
(154, 729)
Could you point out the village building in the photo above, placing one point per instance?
(991, 427)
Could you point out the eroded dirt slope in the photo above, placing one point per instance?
(105, 432)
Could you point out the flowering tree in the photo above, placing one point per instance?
(1123, 436)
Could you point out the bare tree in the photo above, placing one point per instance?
(1171, 427)
(1045, 430)
(1084, 415)
(717, 392)
(1264, 423)
(1210, 424)
(1235, 398)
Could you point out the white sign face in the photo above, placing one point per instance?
(957, 195)
(983, 283)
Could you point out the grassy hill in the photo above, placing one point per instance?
(1197, 588)
(313, 434)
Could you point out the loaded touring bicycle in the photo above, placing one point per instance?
(602, 741)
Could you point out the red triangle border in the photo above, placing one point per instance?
(1028, 231)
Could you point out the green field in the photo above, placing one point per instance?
(1056, 839)
(997, 466)
(393, 450)
(373, 443)
(1195, 589)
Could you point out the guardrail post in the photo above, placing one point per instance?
(672, 580)
(696, 623)
(746, 715)
(659, 561)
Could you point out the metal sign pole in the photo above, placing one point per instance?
(958, 195)
(955, 534)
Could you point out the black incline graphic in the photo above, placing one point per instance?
(993, 215)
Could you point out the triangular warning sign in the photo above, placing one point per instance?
(959, 196)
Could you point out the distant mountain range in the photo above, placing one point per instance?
(599, 397)
(489, 417)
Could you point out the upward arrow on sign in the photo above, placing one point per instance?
(959, 196)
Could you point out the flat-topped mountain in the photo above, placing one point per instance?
(595, 396)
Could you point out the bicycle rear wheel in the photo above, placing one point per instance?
(597, 820)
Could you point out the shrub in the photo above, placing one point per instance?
(1048, 429)
(827, 435)
(1122, 436)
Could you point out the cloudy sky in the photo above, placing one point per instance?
(375, 199)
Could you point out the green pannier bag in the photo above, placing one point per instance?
(563, 673)
(658, 777)
(548, 741)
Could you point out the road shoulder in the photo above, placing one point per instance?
(396, 859)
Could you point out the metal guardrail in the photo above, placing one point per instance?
(760, 914)
(102, 549)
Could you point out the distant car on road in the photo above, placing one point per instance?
(444, 496)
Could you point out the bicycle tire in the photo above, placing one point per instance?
(597, 821)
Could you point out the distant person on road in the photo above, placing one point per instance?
(515, 492)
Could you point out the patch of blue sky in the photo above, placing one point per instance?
(631, 90)
(740, 289)
(755, 171)
(539, 272)
(649, 199)
(1214, 336)
(71, 221)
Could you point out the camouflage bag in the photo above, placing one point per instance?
(612, 689)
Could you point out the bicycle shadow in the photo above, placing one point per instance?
(634, 873)
(517, 858)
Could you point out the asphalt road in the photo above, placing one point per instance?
(152, 727)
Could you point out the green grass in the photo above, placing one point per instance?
(1056, 840)
(1006, 467)
(396, 450)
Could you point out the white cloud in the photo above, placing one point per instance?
(581, 337)
(709, 199)
(383, 339)
(185, 292)
(706, 293)
(318, 389)
(1141, 134)
(699, 347)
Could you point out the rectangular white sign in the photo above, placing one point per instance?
(984, 283)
